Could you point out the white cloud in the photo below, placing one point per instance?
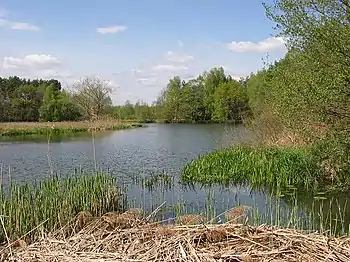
(178, 57)
(169, 68)
(268, 44)
(111, 29)
(15, 25)
(148, 81)
(113, 84)
(34, 61)
(24, 26)
(180, 43)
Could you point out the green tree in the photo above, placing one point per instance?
(172, 97)
(318, 35)
(230, 100)
(212, 80)
(193, 95)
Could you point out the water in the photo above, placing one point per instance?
(146, 152)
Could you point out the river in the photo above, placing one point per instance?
(146, 152)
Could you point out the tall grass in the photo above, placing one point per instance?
(256, 166)
(55, 202)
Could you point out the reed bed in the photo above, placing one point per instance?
(50, 204)
(138, 240)
(258, 167)
(44, 128)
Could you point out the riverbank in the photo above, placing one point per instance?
(44, 128)
(137, 240)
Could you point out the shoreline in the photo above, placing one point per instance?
(45, 128)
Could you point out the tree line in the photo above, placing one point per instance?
(46, 100)
(212, 96)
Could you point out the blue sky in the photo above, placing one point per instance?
(136, 45)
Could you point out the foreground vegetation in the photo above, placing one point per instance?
(31, 210)
(108, 238)
(60, 128)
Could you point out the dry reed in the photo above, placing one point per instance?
(135, 240)
(100, 124)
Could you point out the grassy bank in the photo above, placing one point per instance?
(258, 167)
(53, 203)
(43, 128)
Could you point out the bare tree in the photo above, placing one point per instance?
(92, 94)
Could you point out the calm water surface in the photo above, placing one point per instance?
(125, 153)
(145, 152)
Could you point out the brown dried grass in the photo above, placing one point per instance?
(136, 240)
(67, 124)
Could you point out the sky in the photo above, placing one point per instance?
(134, 45)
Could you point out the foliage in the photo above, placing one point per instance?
(212, 96)
(230, 101)
(54, 202)
(140, 111)
(45, 100)
(58, 107)
(307, 92)
(21, 99)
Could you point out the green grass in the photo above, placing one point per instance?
(257, 166)
(55, 202)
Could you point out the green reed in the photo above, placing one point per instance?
(54, 202)
(258, 167)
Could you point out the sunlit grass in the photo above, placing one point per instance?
(258, 167)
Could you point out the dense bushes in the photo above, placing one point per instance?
(307, 93)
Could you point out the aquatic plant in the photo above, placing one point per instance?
(50, 204)
(257, 166)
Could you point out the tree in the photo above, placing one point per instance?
(193, 96)
(230, 100)
(212, 80)
(172, 99)
(92, 94)
(318, 35)
(198, 99)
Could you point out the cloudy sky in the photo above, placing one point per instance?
(137, 45)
